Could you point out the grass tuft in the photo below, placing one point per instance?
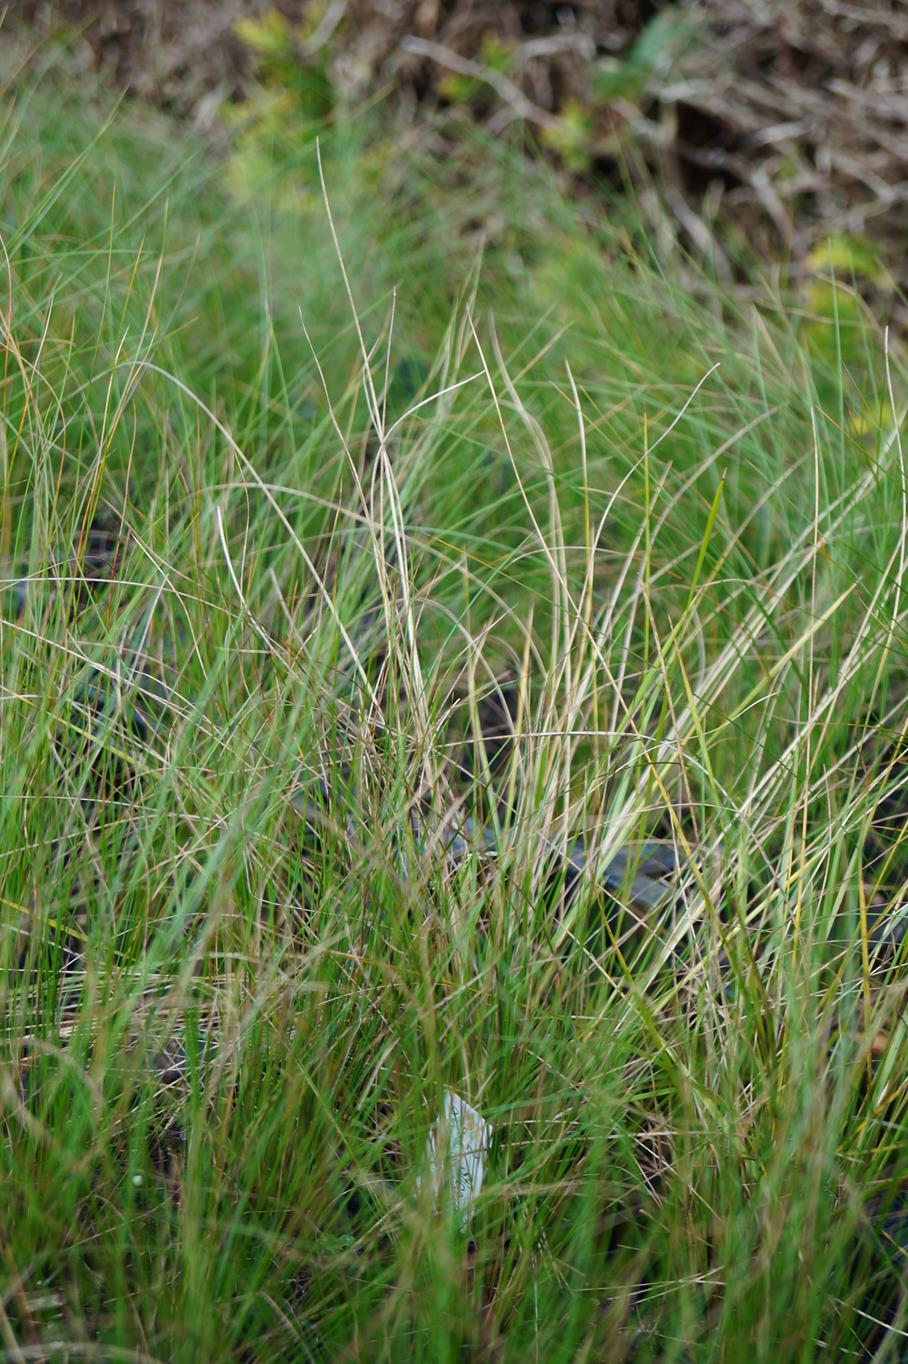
(360, 607)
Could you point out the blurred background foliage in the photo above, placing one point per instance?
(753, 140)
(766, 125)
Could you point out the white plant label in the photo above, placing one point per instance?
(459, 1143)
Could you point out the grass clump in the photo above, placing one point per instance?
(302, 575)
